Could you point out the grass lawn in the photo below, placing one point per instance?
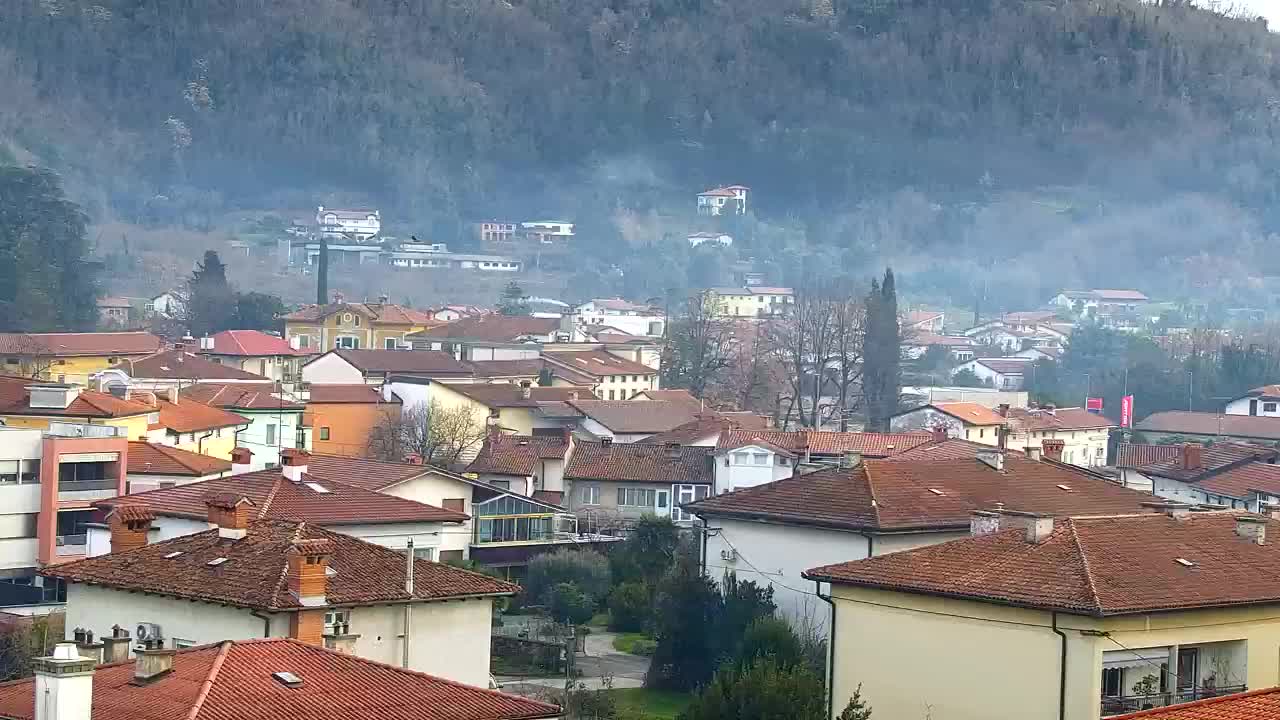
(637, 703)
(634, 643)
(599, 620)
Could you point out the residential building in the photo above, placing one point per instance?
(820, 447)
(34, 404)
(1099, 302)
(1131, 457)
(625, 316)
(1249, 705)
(727, 200)
(504, 407)
(610, 485)
(753, 301)
(749, 461)
(964, 420)
(254, 351)
(453, 261)
(1184, 474)
(357, 224)
(1014, 335)
(1179, 425)
(531, 465)
(71, 357)
(929, 322)
(277, 420)
(341, 416)
(348, 367)
(547, 232)
(1261, 401)
(278, 678)
(489, 337)
(180, 368)
(245, 578)
(353, 326)
(167, 304)
(697, 239)
(612, 377)
(958, 347)
(990, 398)
(1006, 373)
(151, 466)
(628, 420)
(1094, 616)
(117, 312)
(772, 532)
(192, 425)
(1084, 435)
(1036, 354)
(492, 232)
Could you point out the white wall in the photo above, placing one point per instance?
(410, 394)
(97, 608)
(434, 489)
(396, 535)
(331, 369)
(449, 639)
(736, 476)
(1241, 407)
(255, 436)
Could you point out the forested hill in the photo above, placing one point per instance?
(454, 109)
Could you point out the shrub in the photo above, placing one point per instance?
(569, 605)
(587, 570)
(630, 606)
(770, 638)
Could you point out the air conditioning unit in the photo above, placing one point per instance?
(729, 554)
(148, 631)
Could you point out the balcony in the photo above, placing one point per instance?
(71, 545)
(1140, 679)
(1134, 703)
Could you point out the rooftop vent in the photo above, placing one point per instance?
(1184, 562)
(936, 491)
(287, 679)
(216, 561)
(316, 487)
(172, 555)
(1064, 487)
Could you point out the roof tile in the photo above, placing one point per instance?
(640, 462)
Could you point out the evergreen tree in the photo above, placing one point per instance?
(513, 301)
(45, 283)
(212, 304)
(687, 611)
(258, 311)
(882, 364)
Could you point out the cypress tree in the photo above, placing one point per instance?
(882, 371)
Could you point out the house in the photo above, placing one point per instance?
(192, 425)
(1207, 475)
(1249, 705)
(964, 420)
(622, 315)
(1084, 435)
(244, 578)
(772, 532)
(958, 347)
(180, 368)
(352, 326)
(501, 406)
(612, 377)
(151, 466)
(753, 301)
(1178, 425)
(347, 367)
(496, 233)
(1036, 354)
(629, 420)
(531, 465)
(254, 351)
(1132, 456)
(1007, 373)
(527, 370)
(277, 420)
(342, 416)
(547, 232)
(1261, 401)
(727, 200)
(71, 357)
(406, 258)
(990, 398)
(49, 478)
(167, 304)
(116, 312)
(1095, 616)
(357, 224)
(610, 485)
(489, 337)
(279, 678)
(928, 322)
(703, 238)
(33, 404)
(1012, 336)
(1099, 302)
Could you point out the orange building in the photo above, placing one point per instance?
(343, 415)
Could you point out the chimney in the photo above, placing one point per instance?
(492, 431)
(993, 459)
(338, 297)
(129, 526)
(308, 562)
(87, 647)
(57, 396)
(1189, 458)
(230, 512)
(526, 391)
(63, 685)
(1002, 409)
(152, 662)
(241, 460)
(171, 394)
(116, 646)
(384, 299)
(982, 522)
(1175, 510)
(939, 433)
(606, 442)
(673, 451)
(295, 342)
(293, 463)
(1253, 528)
(1036, 528)
(206, 343)
(851, 459)
(1052, 449)
(566, 436)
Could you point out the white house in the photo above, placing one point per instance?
(731, 199)
(547, 232)
(1262, 401)
(1006, 373)
(167, 304)
(356, 224)
(1185, 474)
(631, 318)
(702, 238)
(751, 464)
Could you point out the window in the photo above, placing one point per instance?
(1268, 407)
(454, 504)
(304, 341)
(30, 472)
(784, 462)
(759, 459)
(11, 361)
(271, 433)
(391, 343)
(1100, 452)
(424, 553)
(741, 458)
(637, 497)
(8, 472)
(1112, 685)
(324, 433)
(611, 395)
(982, 432)
(451, 556)
(335, 620)
(179, 643)
(347, 342)
(687, 494)
(590, 495)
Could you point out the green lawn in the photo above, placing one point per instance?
(641, 703)
(634, 643)
(599, 620)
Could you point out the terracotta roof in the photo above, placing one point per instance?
(916, 317)
(1269, 392)
(896, 495)
(492, 328)
(1119, 295)
(73, 344)
(193, 416)
(640, 462)
(717, 192)
(516, 454)
(949, 449)
(1006, 366)
(16, 400)
(254, 572)
(925, 339)
(1239, 480)
(509, 395)
(1213, 459)
(598, 363)
(636, 416)
(683, 396)
(337, 502)
(1133, 455)
(152, 459)
(388, 313)
(528, 367)
(183, 365)
(231, 680)
(827, 443)
(1181, 422)
(1029, 316)
(1072, 418)
(1253, 705)
(403, 361)
(363, 472)
(251, 343)
(241, 397)
(626, 305)
(969, 412)
(325, 394)
(113, 302)
(708, 426)
(1097, 566)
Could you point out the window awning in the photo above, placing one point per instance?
(1150, 658)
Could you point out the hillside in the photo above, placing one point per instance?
(947, 136)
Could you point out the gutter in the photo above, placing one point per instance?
(1062, 669)
(266, 622)
(831, 649)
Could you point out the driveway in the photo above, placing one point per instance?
(600, 659)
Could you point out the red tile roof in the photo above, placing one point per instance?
(1213, 459)
(1072, 418)
(969, 412)
(683, 396)
(407, 362)
(16, 400)
(276, 497)
(183, 365)
(708, 426)
(388, 313)
(1269, 392)
(82, 344)
(949, 449)
(372, 474)
(193, 416)
(251, 343)
(325, 394)
(492, 328)
(1134, 455)
(1097, 566)
(516, 454)
(1119, 295)
(152, 459)
(257, 396)
(598, 363)
(894, 495)
(529, 368)
(827, 443)
(636, 416)
(1253, 705)
(254, 573)
(917, 317)
(232, 680)
(640, 462)
(1181, 422)
(1239, 480)
(1006, 366)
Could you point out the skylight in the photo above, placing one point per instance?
(1184, 562)
(287, 679)
(172, 555)
(316, 487)
(936, 491)
(216, 561)
(1065, 487)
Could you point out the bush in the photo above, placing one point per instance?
(770, 638)
(762, 691)
(569, 605)
(630, 606)
(587, 570)
(635, 644)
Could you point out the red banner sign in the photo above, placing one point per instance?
(1093, 405)
(1126, 411)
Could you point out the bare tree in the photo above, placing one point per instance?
(438, 434)
(849, 319)
(699, 345)
(34, 359)
(819, 346)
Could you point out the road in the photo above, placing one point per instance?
(599, 660)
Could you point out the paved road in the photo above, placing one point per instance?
(600, 659)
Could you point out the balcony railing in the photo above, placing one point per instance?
(81, 485)
(1134, 703)
(71, 545)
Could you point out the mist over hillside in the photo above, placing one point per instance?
(971, 143)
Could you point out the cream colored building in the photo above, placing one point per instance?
(754, 301)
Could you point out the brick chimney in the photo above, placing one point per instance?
(241, 460)
(851, 459)
(1036, 528)
(116, 645)
(939, 433)
(1052, 449)
(1253, 528)
(231, 513)
(308, 563)
(63, 685)
(86, 646)
(1190, 457)
(152, 662)
(293, 463)
(129, 526)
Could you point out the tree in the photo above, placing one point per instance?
(686, 615)
(513, 301)
(820, 344)
(212, 306)
(45, 282)
(882, 372)
(857, 709)
(966, 377)
(699, 345)
(629, 607)
(649, 551)
(568, 605)
(586, 570)
(258, 311)
(438, 434)
(765, 690)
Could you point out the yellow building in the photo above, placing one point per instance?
(753, 301)
(71, 357)
(1077, 620)
(962, 420)
(34, 404)
(609, 376)
(353, 326)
